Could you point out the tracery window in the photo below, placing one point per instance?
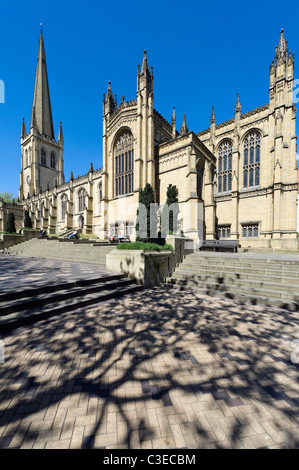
(251, 165)
(224, 231)
(63, 206)
(124, 164)
(250, 230)
(225, 161)
(43, 157)
(82, 197)
(53, 160)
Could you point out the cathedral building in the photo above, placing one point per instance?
(237, 179)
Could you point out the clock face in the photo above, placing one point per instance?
(28, 179)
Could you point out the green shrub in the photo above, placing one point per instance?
(138, 245)
(10, 224)
(27, 220)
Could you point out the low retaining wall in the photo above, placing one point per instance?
(10, 239)
(149, 268)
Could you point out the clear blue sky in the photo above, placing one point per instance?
(203, 53)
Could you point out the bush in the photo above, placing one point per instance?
(148, 220)
(10, 224)
(138, 245)
(27, 220)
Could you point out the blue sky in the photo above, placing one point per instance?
(202, 53)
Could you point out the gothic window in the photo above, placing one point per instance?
(124, 164)
(26, 158)
(63, 206)
(223, 231)
(250, 230)
(43, 157)
(199, 182)
(225, 165)
(53, 160)
(82, 197)
(251, 167)
(100, 196)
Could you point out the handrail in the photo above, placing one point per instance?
(167, 257)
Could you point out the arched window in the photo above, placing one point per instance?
(81, 197)
(124, 164)
(199, 170)
(53, 160)
(43, 157)
(100, 196)
(63, 206)
(225, 165)
(251, 165)
(26, 157)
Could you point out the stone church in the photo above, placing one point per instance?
(235, 180)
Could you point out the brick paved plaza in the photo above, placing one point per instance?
(161, 368)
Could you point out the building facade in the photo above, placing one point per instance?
(237, 179)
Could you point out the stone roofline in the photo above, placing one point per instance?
(192, 139)
(62, 187)
(231, 121)
(123, 105)
(163, 120)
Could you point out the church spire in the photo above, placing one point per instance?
(41, 107)
(23, 133)
(60, 133)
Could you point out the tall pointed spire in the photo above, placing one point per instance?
(145, 78)
(144, 66)
(238, 104)
(282, 45)
(282, 50)
(184, 128)
(60, 133)
(41, 107)
(23, 133)
(173, 123)
(213, 116)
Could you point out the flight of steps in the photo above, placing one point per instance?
(26, 306)
(265, 279)
(93, 253)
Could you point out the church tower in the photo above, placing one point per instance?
(41, 153)
(282, 138)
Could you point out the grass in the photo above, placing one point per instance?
(143, 246)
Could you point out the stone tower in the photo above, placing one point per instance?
(282, 135)
(41, 153)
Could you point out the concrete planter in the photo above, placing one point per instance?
(148, 268)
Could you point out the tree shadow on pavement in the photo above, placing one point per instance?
(163, 365)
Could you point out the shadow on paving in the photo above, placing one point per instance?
(249, 346)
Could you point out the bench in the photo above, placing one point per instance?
(219, 245)
(124, 239)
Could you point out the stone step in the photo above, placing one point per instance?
(263, 267)
(31, 315)
(267, 289)
(56, 287)
(234, 258)
(249, 298)
(281, 276)
(42, 299)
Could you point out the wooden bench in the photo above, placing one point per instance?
(219, 245)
